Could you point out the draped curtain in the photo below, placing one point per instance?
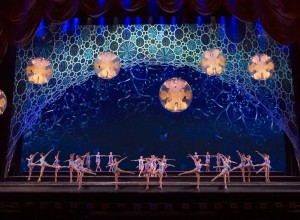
(19, 19)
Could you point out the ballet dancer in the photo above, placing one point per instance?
(141, 165)
(88, 160)
(72, 166)
(207, 161)
(241, 166)
(111, 160)
(165, 159)
(43, 164)
(82, 171)
(117, 171)
(248, 166)
(30, 164)
(196, 170)
(229, 162)
(56, 164)
(147, 171)
(196, 156)
(161, 169)
(224, 171)
(153, 164)
(98, 161)
(218, 162)
(266, 166)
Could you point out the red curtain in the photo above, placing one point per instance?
(19, 19)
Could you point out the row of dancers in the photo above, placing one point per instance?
(150, 166)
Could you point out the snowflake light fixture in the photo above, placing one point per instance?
(213, 62)
(39, 71)
(107, 65)
(3, 102)
(261, 67)
(175, 95)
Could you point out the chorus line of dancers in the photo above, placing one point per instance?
(150, 166)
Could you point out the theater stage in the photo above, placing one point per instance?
(179, 198)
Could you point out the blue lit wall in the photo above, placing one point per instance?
(78, 112)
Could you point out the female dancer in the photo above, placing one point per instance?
(56, 164)
(153, 165)
(161, 169)
(207, 161)
(218, 157)
(224, 172)
(88, 160)
(248, 166)
(241, 165)
(165, 159)
(82, 170)
(229, 162)
(196, 156)
(111, 160)
(141, 165)
(197, 170)
(148, 171)
(117, 171)
(43, 164)
(72, 166)
(98, 161)
(30, 164)
(266, 166)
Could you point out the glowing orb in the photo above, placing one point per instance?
(3, 102)
(213, 62)
(261, 67)
(175, 95)
(39, 71)
(107, 65)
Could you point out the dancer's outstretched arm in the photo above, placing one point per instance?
(48, 153)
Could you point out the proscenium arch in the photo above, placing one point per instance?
(72, 53)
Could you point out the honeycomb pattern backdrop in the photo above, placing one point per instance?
(72, 53)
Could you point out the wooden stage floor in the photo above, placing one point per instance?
(179, 198)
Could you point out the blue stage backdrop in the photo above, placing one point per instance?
(79, 112)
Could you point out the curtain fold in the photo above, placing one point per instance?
(205, 7)
(132, 5)
(21, 18)
(59, 11)
(96, 8)
(281, 20)
(170, 6)
(245, 10)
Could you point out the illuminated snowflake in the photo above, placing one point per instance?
(213, 62)
(261, 67)
(107, 65)
(3, 102)
(175, 95)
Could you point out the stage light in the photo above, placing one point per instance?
(107, 65)
(261, 67)
(39, 70)
(3, 102)
(213, 62)
(175, 95)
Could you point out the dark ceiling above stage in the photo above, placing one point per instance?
(19, 19)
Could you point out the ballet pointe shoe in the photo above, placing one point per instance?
(160, 187)
(39, 180)
(225, 187)
(147, 188)
(116, 188)
(197, 188)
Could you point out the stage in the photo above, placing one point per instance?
(179, 198)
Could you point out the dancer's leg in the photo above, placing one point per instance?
(220, 174)
(198, 181)
(41, 173)
(124, 171)
(116, 180)
(225, 183)
(187, 172)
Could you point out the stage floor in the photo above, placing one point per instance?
(179, 198)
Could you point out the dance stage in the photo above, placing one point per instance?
(179, 198)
